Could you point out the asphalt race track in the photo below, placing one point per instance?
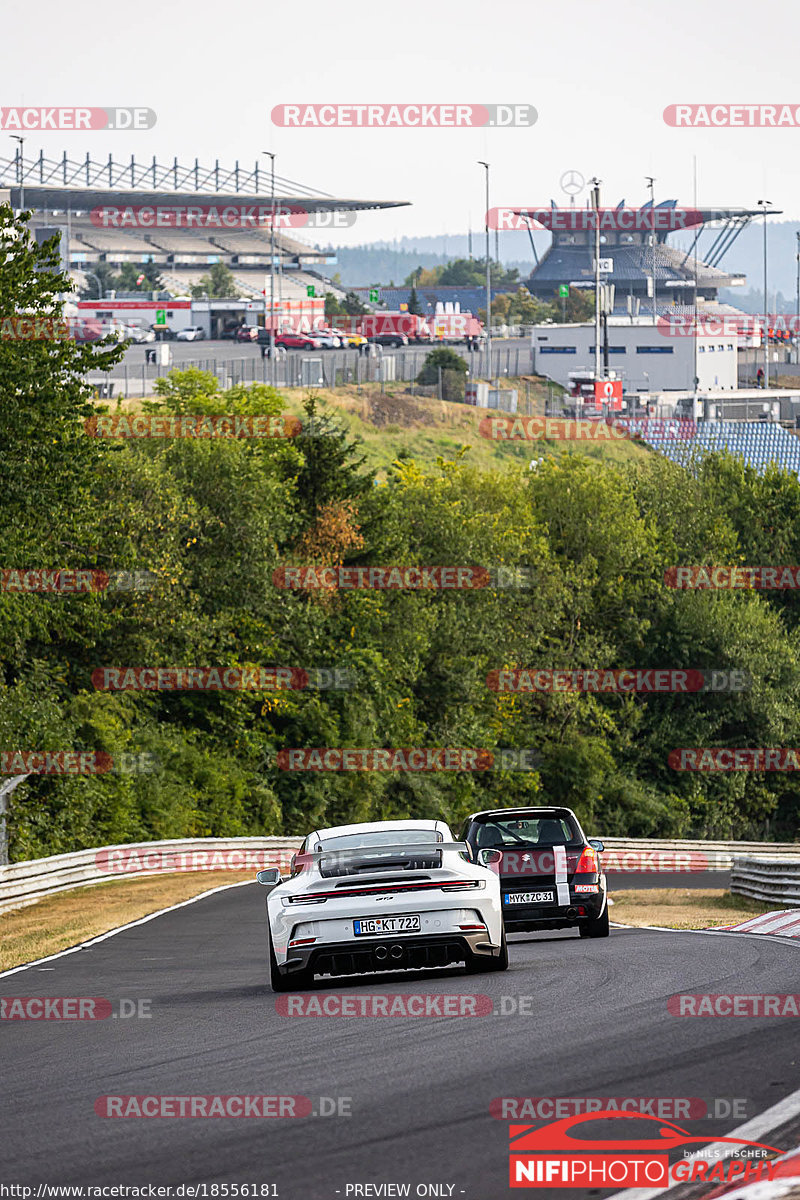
(420, 1088)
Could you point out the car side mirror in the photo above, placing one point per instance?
(597, 845)
(488, 857)
(269, 878)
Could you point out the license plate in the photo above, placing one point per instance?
(529, 898)
(370, 925)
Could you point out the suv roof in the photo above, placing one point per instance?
(531, 810)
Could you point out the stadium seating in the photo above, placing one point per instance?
(758, 443)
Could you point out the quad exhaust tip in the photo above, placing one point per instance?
(381, 953)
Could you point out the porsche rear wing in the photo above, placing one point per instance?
(370, 853)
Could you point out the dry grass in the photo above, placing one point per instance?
(396, 423)
(58, 922)
(683, 908)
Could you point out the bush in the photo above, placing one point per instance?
(444, 357)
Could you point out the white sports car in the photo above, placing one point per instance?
(383, 896)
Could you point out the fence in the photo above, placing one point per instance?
(24, 883)
(771, 880)
(333, 368)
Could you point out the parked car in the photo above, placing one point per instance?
(327, 339)
(85, 329)
(389, 339)
(162, 333)
(354, 340)
(246, 333)
(550, 873)
(297, 341)
(382, 896)
(194, 333)
(140, 334)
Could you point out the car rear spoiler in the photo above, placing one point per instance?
(409, 849)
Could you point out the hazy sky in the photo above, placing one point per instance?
(599, 75)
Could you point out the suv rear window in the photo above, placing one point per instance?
(503, 833)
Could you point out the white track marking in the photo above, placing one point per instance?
(753, 1130)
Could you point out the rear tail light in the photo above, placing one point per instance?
(587, 863)
(462, 885)
(479, 926)
(302, 941)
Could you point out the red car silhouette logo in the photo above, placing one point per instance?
(556, 1136)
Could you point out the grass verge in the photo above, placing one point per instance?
(394, 423)
(684, 908)
(58, 922)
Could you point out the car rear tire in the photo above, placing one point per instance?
(286, 983)
(478, 963)
(597, 926)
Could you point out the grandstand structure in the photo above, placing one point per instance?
(63, 193)
(681, 276)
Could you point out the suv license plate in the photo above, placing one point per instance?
(529, 898)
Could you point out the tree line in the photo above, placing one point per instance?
(575, 552)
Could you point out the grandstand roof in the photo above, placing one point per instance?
(83, 199)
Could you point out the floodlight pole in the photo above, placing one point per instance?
(485, 165)
(20, 169)
(797, 306)
(651, 180)
(765, 203)
(271, 157)
(596, 204)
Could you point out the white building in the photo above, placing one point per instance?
(640, 354)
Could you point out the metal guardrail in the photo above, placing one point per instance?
(24, 883)
(668, 855)
(771, 880)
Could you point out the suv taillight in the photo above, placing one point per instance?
(587, 863)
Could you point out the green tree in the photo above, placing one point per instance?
(414, 305)
(217, 284)
(130, 273)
